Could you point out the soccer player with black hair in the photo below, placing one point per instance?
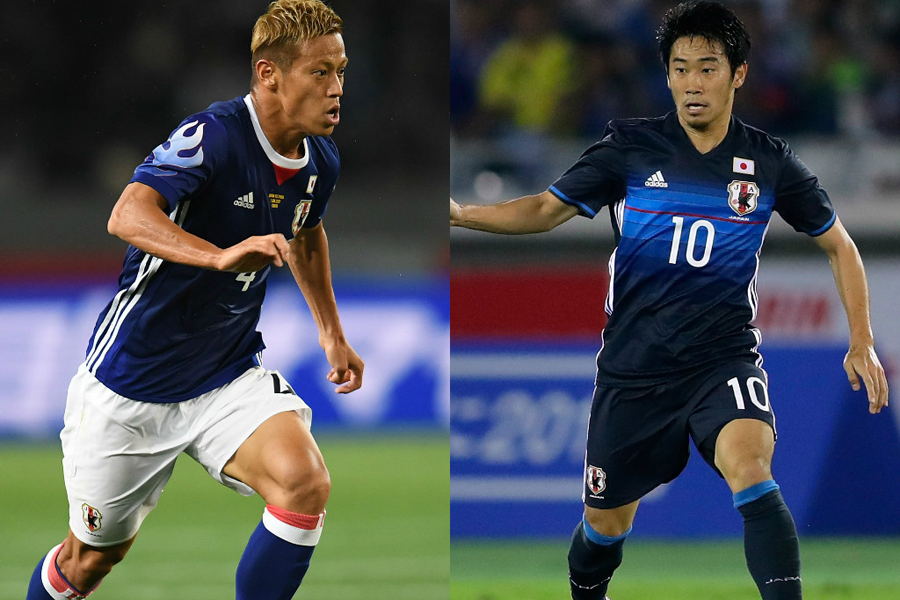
(174, 364)
(690, 196)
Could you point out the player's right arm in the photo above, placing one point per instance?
(529, 214)
(139, 217)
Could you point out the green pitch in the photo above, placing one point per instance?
(387, 535)
(833, 569)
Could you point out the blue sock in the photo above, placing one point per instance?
(592, 560)
(36, 589)
(62, 589)
(277, 555)
(770, 542)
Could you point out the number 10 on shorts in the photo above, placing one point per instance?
(752, 384)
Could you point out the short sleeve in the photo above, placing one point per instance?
(182, 165)
(597, 179)
(799, 198)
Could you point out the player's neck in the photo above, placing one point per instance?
(709, 137)
(284, 139)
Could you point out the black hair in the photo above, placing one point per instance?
(709, 20)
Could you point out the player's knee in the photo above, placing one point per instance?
(307, 490)
(744, 472)
(609, 523)
(88, 567)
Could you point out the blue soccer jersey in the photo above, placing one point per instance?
(689, 228)
(173, 332)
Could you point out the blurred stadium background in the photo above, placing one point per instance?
(88, 91)
(532, 85)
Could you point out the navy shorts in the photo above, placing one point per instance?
(638, 437)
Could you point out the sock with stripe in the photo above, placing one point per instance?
(48, 582)
(770, 541)
(277, 555)
(592, 560)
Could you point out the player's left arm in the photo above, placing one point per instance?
(311, 266)
(850, 278)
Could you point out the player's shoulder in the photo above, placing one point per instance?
(760, 141)
(324, 148)
(226, 109)
(213, 124)
(636, 127)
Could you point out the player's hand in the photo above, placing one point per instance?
(254, 253)
(346, 365)
(455, 213)
(861, 362)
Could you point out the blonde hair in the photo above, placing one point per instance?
(278, 34)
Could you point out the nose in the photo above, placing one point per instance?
(695, 84)
(336, 86)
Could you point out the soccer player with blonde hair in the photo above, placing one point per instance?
(174, 364)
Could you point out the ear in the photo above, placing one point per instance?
(740, 75)
(267, 74)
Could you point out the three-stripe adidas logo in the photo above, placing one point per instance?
(245, 201)
(656, 180)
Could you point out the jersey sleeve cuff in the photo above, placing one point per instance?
(824, 227)
(167, 191)
(583, 208)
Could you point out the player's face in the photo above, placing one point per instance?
(311, 90)
(701, 82)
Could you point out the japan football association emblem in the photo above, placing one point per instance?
(595, 479)
(742, 196)
(91, 517)
(300, 214)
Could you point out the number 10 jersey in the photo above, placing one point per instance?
(689, 228)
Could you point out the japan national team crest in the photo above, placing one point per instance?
(742, 196)
(595, 479)
(91, 517)
(300, 214)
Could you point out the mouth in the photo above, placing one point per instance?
(333, 116)
(694, 108)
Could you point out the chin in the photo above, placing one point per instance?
(324, 130)
(698, 122)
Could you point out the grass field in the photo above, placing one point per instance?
(387, 536)
(833, 569)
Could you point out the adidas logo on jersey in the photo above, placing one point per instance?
(245, 201)
(656, 180)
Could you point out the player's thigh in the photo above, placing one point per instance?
(734, 392)
(118, 455)
(637, 440)
(254, 436)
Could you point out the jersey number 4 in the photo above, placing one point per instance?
(691, 248)
(246, 278)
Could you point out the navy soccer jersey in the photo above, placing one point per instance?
(689, 228)
(173, 332)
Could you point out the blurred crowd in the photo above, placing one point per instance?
(523, 68)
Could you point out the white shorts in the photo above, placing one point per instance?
(119, 453)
